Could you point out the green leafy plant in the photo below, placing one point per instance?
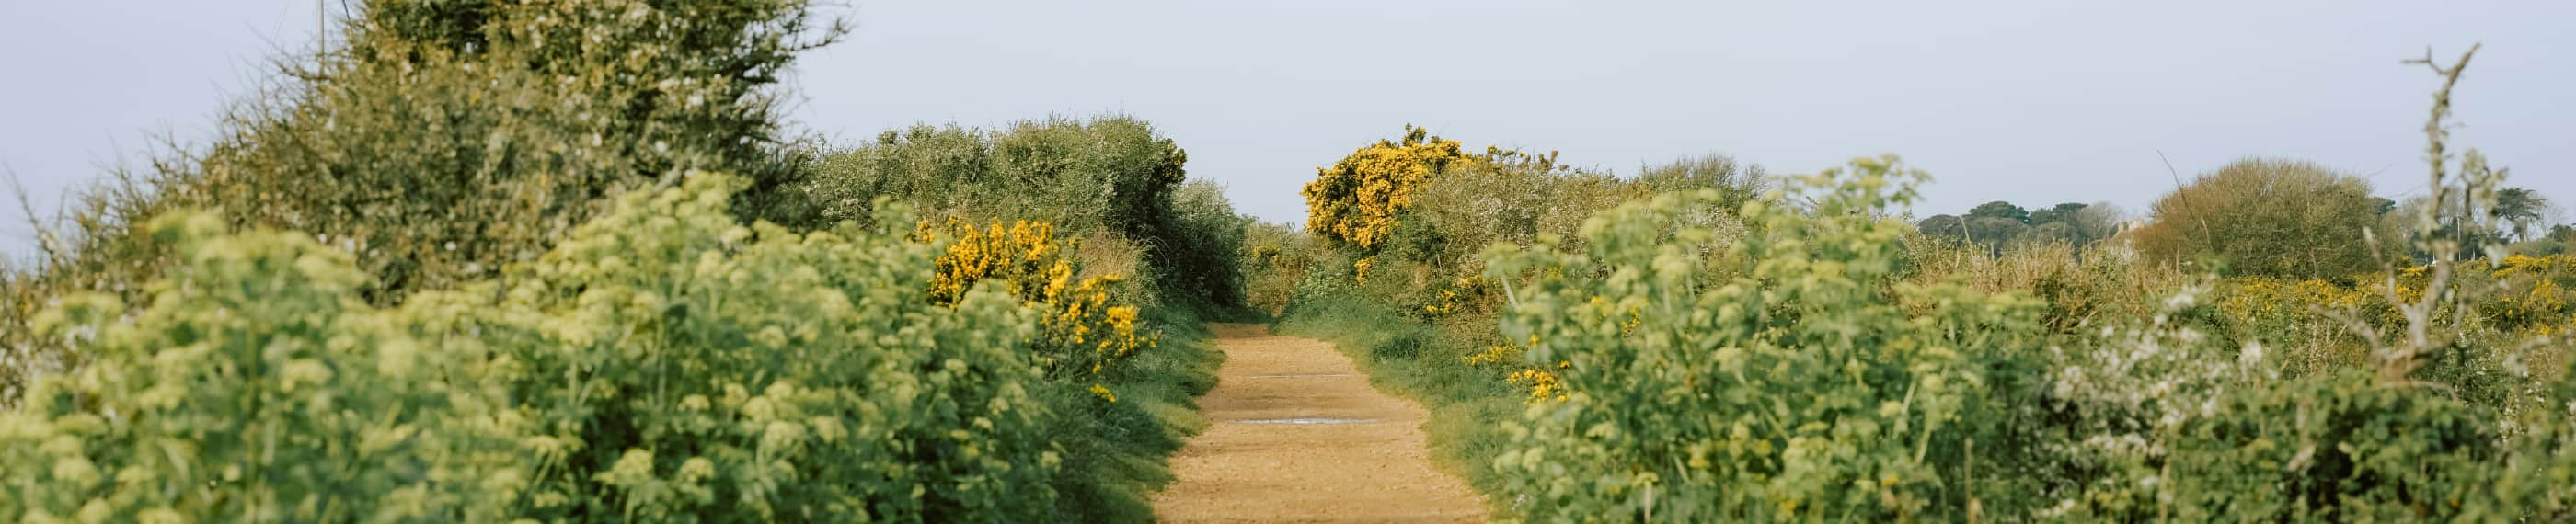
(663, 362)
(445, 139)
(1680, 403)
(256, 385)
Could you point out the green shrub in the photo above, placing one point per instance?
(689, 366)
(447, 139)
(1113, 175)
(661, 363)
(2160, 422)
(1473, 205)
(1199, 241)
(1800, 388)
(1735, 182)
(1360, 199)
(2267, 218)
(257, 386)
(1273, 260)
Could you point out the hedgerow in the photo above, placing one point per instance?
(512, 196)
(256, 385)
(441, 140)
(1081, 333)
(1676, 405)
(1111, 176)
(698, 367)
(663, 362)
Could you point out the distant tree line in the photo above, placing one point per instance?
(2270, 217)
(1999, 225)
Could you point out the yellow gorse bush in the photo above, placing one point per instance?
(2561, 264)
(2542, 304)
(1357, 200)
(1022, 255)
(2272, 299)
(1082, 327)
(2274, 307)
(1543, 385)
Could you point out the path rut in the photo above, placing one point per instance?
(1297, 435)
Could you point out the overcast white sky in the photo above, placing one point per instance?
(2032, 102)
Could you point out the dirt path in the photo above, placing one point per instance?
(1297, 435)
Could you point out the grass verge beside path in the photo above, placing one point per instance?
(1131, 441)
(1420, 361)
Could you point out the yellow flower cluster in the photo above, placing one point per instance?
(1014, 253)
(2535, 297)
(2527, 264)
(1449, 297)
(2273, 298)
(1081, 330)
(1083, 318)
(1358, 198)
(2544, 308)
(2544, 303)
(1493, 355)
(1544, 385)
(1359, 270)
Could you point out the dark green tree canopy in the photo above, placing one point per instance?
(2059, 213)
(2521, 211)
(2001, 209)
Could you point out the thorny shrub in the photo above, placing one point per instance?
(1080, 332)
(1359, 199)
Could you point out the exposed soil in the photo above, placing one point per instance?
(1297, 435)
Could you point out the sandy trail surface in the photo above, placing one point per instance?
(1297, 435)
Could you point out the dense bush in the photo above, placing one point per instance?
(662, 362)
(1676, 385)
(1114, 176)
(1474, 204)
(2267, 218)
(257, 385)
(683, 365)
(1735, 182)
(1092, 226)
(1083, 331)
(1670, 388)
(1201, 238)
(528, 298)
(446, 139)
(1273, 259)
(1359, 199)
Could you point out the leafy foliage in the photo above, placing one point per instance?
(2000, 209)
(1080, 332)
(1676, 408)
(2267, 218)
(663, 362)
(256, 385)
(1274, 259)
(1113, 175)
(753, 373)
(447, 139)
